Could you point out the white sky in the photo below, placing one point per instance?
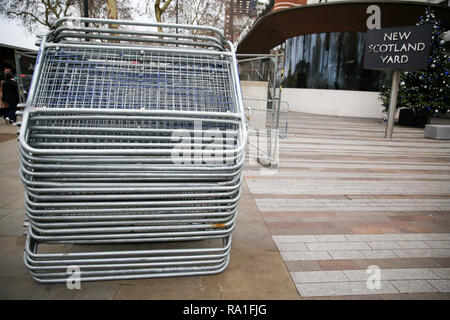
(12, 33)
(15, 35)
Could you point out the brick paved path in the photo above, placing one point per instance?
(345, 199)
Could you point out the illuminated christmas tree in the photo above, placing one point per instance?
(425, 92)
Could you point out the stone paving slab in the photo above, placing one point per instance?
(318, 276)
(346, 254)
(378, 254)
(308, 247)
(288, 204)
(443, 273)
(343, 199)
(333, 246)
(356, 200)
(380, 245)
(342, 289)
(351, 282)
(441, 285)
(394, 274)
(413, 286)
(414, 245)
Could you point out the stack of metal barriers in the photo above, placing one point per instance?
(131, 137)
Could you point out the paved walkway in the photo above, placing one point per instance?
(345, 199)
(256, 270)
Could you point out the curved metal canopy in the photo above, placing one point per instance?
(274, 28)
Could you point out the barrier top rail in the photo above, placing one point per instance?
(70, 28)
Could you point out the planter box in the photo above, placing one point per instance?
(407, 117)
(437, 132)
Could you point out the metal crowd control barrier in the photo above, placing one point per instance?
(21, 58)
(267, 115)
(133, 138)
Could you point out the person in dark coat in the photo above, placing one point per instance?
(4, 108)
(10, 95)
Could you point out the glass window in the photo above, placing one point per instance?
(330, 61)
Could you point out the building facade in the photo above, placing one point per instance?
(240, 14)
(323, 43)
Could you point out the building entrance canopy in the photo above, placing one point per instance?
(276, 27)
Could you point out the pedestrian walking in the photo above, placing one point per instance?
(10, 95)
(4, 107)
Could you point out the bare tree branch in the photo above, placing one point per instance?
(24, 13)
(165, 5)
(198, 12)
(160, 10)
(45, 12)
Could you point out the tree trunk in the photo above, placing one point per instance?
(160, 10)
(112, 12)
(158, 14)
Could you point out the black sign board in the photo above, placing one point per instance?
(401, 48)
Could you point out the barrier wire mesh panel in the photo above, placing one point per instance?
(266, 113)
(119, 79)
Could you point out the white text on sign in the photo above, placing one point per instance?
(395, 47)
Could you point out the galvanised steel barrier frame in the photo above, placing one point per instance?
(108, 115)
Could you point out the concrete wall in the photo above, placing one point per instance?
(317, 1)
(285, 4)
(345, 103)
(254, 98)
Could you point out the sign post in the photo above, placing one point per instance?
(401, 48)
(392, 104)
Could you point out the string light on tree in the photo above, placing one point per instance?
(426, 90)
